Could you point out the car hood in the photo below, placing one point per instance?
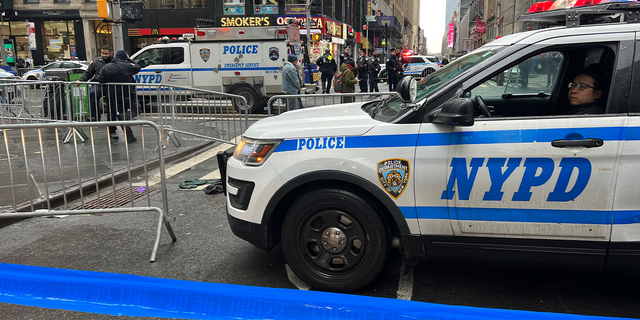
(344, 120)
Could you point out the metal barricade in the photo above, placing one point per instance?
(41, 174)
(188, 111)
(282, 103)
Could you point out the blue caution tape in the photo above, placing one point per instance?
(130, 295)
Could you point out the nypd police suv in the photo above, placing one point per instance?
(474, 163)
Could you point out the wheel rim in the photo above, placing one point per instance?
(332, 241)
(250, 101)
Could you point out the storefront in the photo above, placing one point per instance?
(329, 31)
(45, 35)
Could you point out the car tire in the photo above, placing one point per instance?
(37, 86)
(428, 71)
(357, 246)
(254, 101)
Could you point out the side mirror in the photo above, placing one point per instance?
(408, 89)
(456, 112)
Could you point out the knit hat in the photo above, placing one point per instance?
(122, 55)
(292, 58)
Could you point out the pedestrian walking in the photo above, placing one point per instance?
(363, 71)
(374, 68)
(122, 99)
(348, 80)
(291, 82)
(328, 68)
(95, 92)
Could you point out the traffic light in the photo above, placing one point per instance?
(315, 37)
(105, 9)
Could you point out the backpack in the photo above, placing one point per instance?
(337, 82)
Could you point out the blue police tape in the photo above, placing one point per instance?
(130, 295)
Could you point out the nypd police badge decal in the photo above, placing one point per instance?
(204, 54)
(394, 176)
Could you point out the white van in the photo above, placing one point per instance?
(243, 61)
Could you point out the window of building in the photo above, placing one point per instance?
(265, 6)
(173, 4)
(295, 6)
(61, 1)
(31, 1)
(58, 38)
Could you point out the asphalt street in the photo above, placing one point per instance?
(207, 251)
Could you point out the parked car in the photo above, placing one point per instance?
(41, 74)
(417, 66)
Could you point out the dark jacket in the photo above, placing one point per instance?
(94, 69)
(118, 71)
(374, 66)
(392, 65)
(363, 63)
(587, 108)
(327, 64)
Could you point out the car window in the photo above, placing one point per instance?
(177, 56)
(416, 60)
(68, 65)
(433, 59)
(149, 57)
(52, 66)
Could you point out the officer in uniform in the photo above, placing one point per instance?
(374, 68)
(392, 70)
(95, 92)
(363, 70)
(328, 68)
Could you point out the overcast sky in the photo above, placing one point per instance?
(432, 21)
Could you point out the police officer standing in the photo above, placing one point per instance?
(392, 70)
(374, 68)
(363, 71)
(95, 92)
(328, 68)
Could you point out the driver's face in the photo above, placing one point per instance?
(106, 54)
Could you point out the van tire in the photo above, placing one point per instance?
(361, 240)
(254, 101)
(32, 78)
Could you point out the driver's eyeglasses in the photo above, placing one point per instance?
(580, 86)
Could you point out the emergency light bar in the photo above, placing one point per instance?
(573, 13)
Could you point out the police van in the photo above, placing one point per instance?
(463, 166)
(243, 61)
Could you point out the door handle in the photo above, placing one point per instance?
(586, 143)
(158, 71)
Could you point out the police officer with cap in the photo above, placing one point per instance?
(328, 67)
(363, 70)
(374, 68)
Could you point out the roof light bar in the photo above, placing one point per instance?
(540, 6)
(566, 4)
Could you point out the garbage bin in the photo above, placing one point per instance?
(79, 94)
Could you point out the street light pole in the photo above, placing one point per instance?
(307, 56)
(2, 51)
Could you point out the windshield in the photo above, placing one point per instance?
(390, 109)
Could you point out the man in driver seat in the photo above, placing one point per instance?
(585, 92)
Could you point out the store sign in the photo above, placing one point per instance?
(333, 28)
(54, 12)
(266, 9)
(316, 22)
(384, 21)
(31, 29)
(368, 7)
(296, 9)
(245, 22)
(452, 28)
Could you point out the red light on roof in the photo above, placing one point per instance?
(540, 6)
(201, 33)
(581, 3)
(241, 32)
(237, 73)
(282, 31)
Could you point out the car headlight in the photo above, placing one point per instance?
(254, 152)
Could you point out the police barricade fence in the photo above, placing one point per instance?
(281, 103)
(195, 112)
(46, 178)
(21, 71)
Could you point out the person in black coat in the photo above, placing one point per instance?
(121, 98)
(328, 67)
(374, 68)
(95, 92)
(363, 71)
(392, 70)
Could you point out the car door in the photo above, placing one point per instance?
(178, 68)
(543, 184)
(152, 65)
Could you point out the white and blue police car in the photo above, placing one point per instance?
(464, 166)
(40, 74)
